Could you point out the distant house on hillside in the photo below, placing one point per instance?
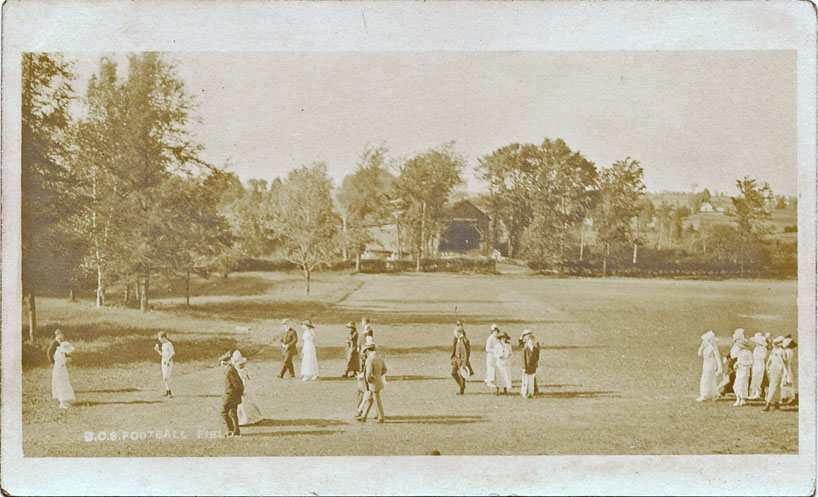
(468, 228)
(706, 207)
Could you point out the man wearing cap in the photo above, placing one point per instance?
(353, 354)
(491, 358)
(233, 390)
(531, 356)
(459, 360)
(374, 371)
(288, 349)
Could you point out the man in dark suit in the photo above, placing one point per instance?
(459, 327)
(52, 348)
(288, 349)
(233, 390)
(531, 358)
(459, 360)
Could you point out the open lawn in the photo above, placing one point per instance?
(618, 370)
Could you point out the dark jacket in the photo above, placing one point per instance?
(233, 386)
(288, 343)
(52, 349)
(460, 356)
(530, 358)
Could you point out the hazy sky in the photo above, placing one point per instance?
(689, 117)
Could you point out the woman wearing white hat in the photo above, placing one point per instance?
(744, 361)
(759, 361)
(491, 357)
(248, 411)
(711, 367)
(60, 383)
(309, 359)
(776, 366)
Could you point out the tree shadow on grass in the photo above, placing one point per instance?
(577, 395)
(110, 390)
(435, 419)
(102, 403)
(244, 433)
(321, 423)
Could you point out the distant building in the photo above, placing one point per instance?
(706, 207)
(467, 229)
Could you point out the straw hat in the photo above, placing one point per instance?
(778, 340)
(224, 358)
(307, 323)
(494, 327)
(786, 342)
(66, 348)
(526, 331)
(738, 334)
(760, 339)
(237, 359)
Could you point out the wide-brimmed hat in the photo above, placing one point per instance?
(225, 357)
(708, 336)
(307, 323)
(786, 342)
(66, 347)
(351, 325)
(778, 340)
(526, 331)
(759, 339)
(237, 359)
(505, 336)
(494, 327)
(739, 333)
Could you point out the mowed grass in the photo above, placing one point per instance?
(618, 371)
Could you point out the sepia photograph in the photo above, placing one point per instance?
(426, 252)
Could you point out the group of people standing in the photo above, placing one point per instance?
(498, 360)
(754, 369)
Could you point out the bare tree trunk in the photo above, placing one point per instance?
(358, 261)
(423, 230)
(581, 244)
(138, 290)
(32, 317)
(344, 247)
(126, 294)
(307, 275)
(634, 252)
(100, 288)
(187, 288)
(71, 294)
(605, 260)
(143, 302)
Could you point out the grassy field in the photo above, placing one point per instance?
(618, 371)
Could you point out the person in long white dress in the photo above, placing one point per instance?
(788, 385)
(776, 367)
(248, 411)
(744, 362)
(759, 344)
(491, 358)
(503, 353)
(60, 382)
(711, 367)
(309, 359)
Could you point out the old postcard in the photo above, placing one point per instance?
(261, 248)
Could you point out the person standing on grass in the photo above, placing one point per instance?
(374, 372)
(309, 359)
(503, 353)
(52, 347)
(60, 382)
(459, 326)
(459, 360)
(352, 352)
(759, 344)
(361, 379)
(491, 359)
(711, 367)
(744, 362)
(288, 349)
(233, 390)
(248, 412)
(788, 383)
(166, 352)
(531, 356)
(776, 368)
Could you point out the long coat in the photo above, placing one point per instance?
(531, 356)
(233, 387)
(288, 344)
(353, 354)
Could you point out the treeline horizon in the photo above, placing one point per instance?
(122, 194)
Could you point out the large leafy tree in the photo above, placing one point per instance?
(751, 215)
(364, 199)
(424, 184)
(305, 221)
(49, 193)
(620, 187)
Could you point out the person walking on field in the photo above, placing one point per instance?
(711, 367)
(60, 382)
(288, 349)
(352, 352)
(503, 353)
(166, 352)
(459, 361)
(248, 411)
(459, 327)
(374, 372)
(309, 359)
(744, 362)
(531, 356)
(233, 390)
(361, 377)
(759, 344)
(776, 368)
(491, 359)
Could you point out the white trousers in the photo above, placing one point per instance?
(167, 369)
(527, 388)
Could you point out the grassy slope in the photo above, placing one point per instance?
(618, 370)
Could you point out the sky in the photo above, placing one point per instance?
(703, 118)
